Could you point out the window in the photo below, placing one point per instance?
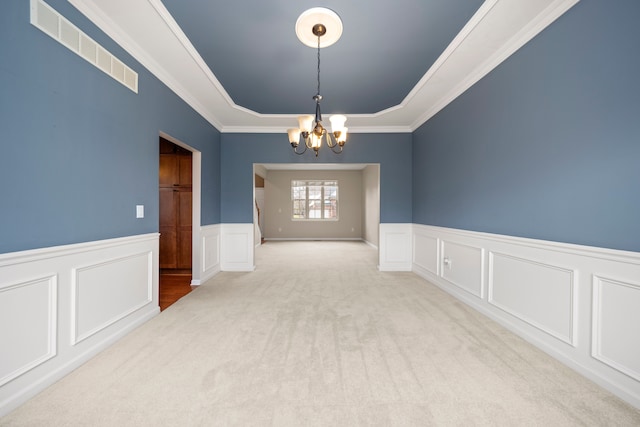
(316, 200)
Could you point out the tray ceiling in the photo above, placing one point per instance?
(241, 66)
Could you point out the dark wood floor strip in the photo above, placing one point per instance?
(173, 286)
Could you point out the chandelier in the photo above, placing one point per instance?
(321, 21)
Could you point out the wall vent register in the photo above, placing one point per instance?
(58, 27)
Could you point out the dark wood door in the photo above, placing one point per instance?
(183, 241)
(168, 229)
(175, 206)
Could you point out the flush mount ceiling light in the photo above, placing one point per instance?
(318, 27)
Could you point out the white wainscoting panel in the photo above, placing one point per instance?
(236, 248)
(579, 304)
(425, 253)
(106, 292)
(616, 325)
(463, 265)
(62, 305)
(210, 251)
(538, 293)
(395, 247)
(27, 308)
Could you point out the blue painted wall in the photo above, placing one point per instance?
(547, 145)
(241, 151)
(78, 149)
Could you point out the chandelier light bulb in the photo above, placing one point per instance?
(343, 136)
(316, 141)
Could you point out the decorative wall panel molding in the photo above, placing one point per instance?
(463, 266)
(395, 247)
(577, 303)
(426, 250)
(60, 306)
(210, 251)
(616, 325)
(236, 247)
(27, 307)
(537, 293)
(106, 292)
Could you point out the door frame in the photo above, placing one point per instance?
(196, 192)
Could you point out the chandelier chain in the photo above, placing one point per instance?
(318, 65)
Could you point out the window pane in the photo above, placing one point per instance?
(298, 192)
(315, 201)
(299, 199)
(298, 209)
(330, 202)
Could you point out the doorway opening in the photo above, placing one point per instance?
(357, 203)
(179, 216)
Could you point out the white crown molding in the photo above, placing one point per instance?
(186, 43)
(497, 30)
(552, 12)
(475, 20)
(283, 130)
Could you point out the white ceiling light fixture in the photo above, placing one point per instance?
(318, 27)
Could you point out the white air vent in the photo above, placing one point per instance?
(57, 26)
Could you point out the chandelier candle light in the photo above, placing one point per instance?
(326, 26)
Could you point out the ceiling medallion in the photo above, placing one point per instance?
(318, 27)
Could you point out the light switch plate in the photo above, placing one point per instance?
(139, 211)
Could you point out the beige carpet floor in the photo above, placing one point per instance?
(316, 336)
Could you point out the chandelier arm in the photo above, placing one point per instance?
(331, 141)
(307, 141)
(295, 149)
(334, 148)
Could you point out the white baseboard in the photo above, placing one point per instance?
(60, 306)
(577, 303)
(313, 239)
(370, 244)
